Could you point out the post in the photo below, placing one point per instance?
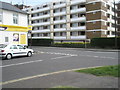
(30, 35)
(115, 25)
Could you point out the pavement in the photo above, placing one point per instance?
(68, 79)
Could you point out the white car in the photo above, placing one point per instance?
(9, 51)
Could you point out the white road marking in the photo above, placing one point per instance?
(20, 63)
(61, 57)
(98, 56)
(42, 75)
(58, 53)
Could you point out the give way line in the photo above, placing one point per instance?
(20, 63)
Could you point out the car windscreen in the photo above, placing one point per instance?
(2, 45)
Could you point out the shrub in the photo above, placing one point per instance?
(105, 42)
(40, 42)
(71, 44)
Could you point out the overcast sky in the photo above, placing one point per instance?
(30, 2)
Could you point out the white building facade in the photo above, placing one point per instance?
(13, 24)
(70, 20)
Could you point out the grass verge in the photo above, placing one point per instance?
(103, 71)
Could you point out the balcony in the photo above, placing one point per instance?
(41, 31)
(59, 21)
(77, 2)
(40, 17)
(80, 10)
(111, 28)
(60, 29)
(42, 23)
(60, 5)
(59, 37)
(80, 19)
(79, 28)
(40, 37)
(40, 10)
(60, 13)
(78, 37)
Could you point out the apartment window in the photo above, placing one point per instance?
(73, 24)
(0, 16)
(45, 27)
(82, 23)
(113, 17)
(45, 34)
(81, 15)
(56, 34)
(108, 15)
(62, 17)
(113, 25)
(32, 9)
(61, 34)
(57, 26)
(56, 10)
(82, 32)
(108, 24)
(108, 7)
(62, 9)
(79, 33)
(15, 18)
(45, 6)
(38, 21)
(73, 7)
(6, 39)
(56, 18)
(37, 28)
(54, 3)
(113, 32)
(81, 6)
(37, 34)
(62, 25)
(71, 33)
(37, 14)
(38, 8)
(108, 32)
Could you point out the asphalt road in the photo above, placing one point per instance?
(47, 60)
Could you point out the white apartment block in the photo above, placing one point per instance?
(72, 20)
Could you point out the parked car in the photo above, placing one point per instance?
(11, 50)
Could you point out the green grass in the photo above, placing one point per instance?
(103, 71)
(66, 88)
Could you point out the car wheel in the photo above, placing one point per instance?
(29, 54)
(9, 56)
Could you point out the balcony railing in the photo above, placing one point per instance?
(59, 21)
(60, 13)
(80, 10)
(77, 1)
(41, 37)
(59, 37)
(40, 10)
(42, 23)
(60, 5)
(41, 31)
(40, 17)
(79, 19)
(79, 28)
(78, 37)
(60, 29)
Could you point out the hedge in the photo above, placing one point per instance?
(71, 44)
(40, 42)
(105, 42)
